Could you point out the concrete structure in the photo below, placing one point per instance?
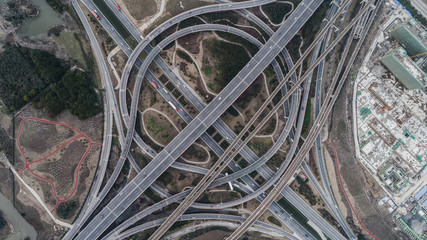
(412, 35)
(398, 62)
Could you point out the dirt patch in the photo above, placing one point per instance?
(140, 10)
(37, 138)
(60, 174)
(191, 42)
(119, 61)
(63, 169)
(352, 172)
(213, 235)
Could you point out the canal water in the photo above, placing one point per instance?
(21, 226)
(38, 26)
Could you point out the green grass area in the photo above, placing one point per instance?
(208, 70)
(152, 195)
(298, 216)
(117, 24)
(307, 120)
(154, 127)
(276, 11)
(229, 60)
(305, 190)
(236, 39)
(66, 209)
(274, 221)
(190, 22)
(184, 56)
(68, 40)
(261, 144)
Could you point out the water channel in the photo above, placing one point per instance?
(21, 226)
(38, 26)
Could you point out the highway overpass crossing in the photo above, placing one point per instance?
(201, 122)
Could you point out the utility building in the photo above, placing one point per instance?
(412, 35)
(398, 62)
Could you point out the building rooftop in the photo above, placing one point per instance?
(412, 35)
(409, 73)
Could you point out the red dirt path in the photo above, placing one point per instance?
(58, 200)
(342, 187)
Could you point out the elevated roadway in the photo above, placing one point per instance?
(326, 108)
(204, 119)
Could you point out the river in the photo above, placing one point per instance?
(21, 226)
(38, 26)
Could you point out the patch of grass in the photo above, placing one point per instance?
(307, 120)
(184, 56)
(273, 220)
(152, 195)
(208, 70)
(211, 86)
(68, 40)
(261, 144)
(276, 11)
(229, 60)
(306, 191)
(154, 126)
(190, 22)
(66, 209)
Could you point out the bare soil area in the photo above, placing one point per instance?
(62, 169)
(354, 179)
(138, 9)
(38, 138)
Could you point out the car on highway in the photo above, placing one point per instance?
(118, 8)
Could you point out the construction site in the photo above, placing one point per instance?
(390, 118)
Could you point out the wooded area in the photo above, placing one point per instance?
(75, 92)
(19, 80)
(31, 74)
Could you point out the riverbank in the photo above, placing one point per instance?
(17, 227)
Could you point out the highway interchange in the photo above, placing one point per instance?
(207, 117)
